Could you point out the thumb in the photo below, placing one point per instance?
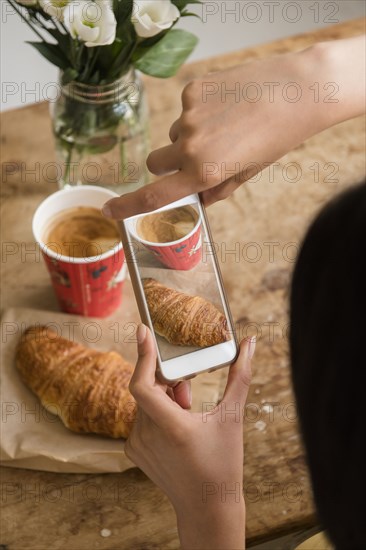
(146, 362)
(150, 395)
(240, 374)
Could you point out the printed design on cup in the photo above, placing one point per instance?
(96, 273)
(180, 248)
(184, 257)
(95, 288)
(196, 248)
(59, 276)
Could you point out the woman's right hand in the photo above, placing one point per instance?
(236, 122)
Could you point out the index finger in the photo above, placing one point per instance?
(151, 197)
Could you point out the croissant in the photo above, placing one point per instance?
(87, 389)
(182, 319)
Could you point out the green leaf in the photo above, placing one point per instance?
(52, 53)
(61, 38)
(166, 56)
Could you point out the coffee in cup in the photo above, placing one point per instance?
(81, 232)
(168, 225)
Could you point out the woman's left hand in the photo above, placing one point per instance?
(195, 458)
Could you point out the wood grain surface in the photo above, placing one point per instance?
(257, 232)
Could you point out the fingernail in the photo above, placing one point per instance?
(106, 210)
(190, 395)
(251, 347)
(141, 333)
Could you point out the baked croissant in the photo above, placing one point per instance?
(182, 319)
(87, 389)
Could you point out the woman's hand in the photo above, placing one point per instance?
(236, 122)
(195, 458)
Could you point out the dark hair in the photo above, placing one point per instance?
(328, 356)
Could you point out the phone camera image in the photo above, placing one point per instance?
(178, 277)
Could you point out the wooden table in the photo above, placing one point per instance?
(263, 224)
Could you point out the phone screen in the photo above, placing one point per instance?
(177, 272)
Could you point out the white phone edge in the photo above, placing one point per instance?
(196, 362)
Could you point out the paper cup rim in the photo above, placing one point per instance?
(70, 259)
(170, 243)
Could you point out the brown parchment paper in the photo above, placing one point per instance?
(33, 438)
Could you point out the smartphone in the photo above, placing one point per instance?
(178, 288)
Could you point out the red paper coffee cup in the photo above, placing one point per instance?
(183, 254)
(90, 286)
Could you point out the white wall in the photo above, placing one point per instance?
(226, 25)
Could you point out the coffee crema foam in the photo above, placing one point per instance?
(168, 225)
(81, 232)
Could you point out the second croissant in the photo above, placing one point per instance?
(182, 319)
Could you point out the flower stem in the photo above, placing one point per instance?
(67, 165)
(79, 55)
(93, 61)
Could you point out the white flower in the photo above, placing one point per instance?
(28, 3)
(153, 16)
(92, 22)
(54, 8)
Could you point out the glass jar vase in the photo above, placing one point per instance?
(101, 134)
